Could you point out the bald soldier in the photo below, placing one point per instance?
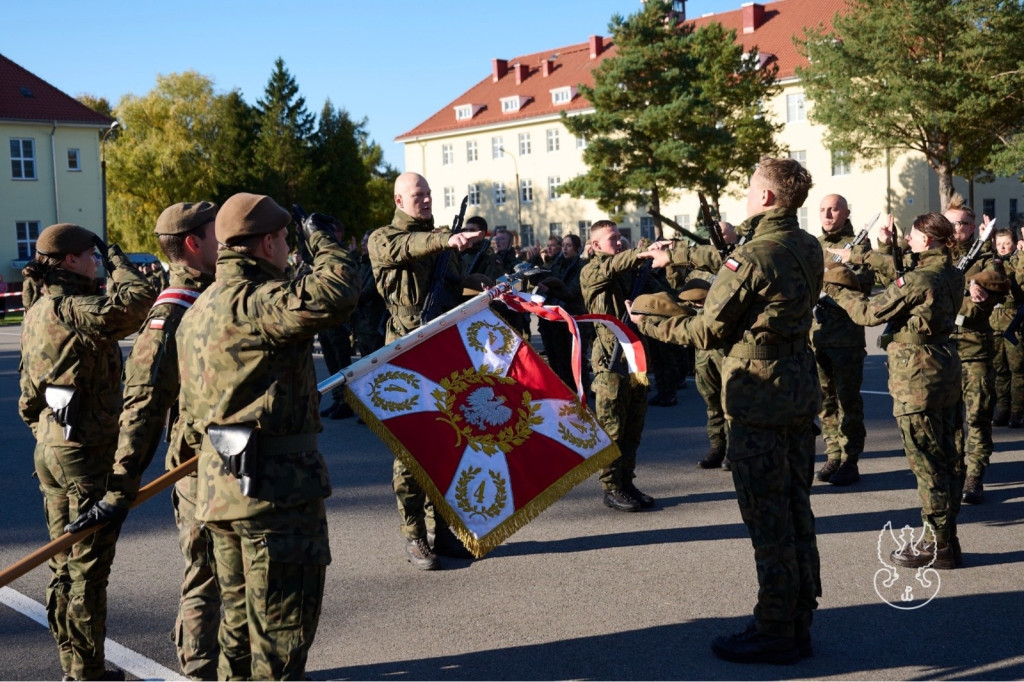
(839, 351)
(404, 256)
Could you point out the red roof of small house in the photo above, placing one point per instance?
(27, 97)
(531, 78)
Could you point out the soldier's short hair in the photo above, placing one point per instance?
(477, 222)
(601, 225)
(958, 203)
(173, 245)
(787, 179)
(936, 226)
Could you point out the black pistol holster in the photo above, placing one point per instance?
(237, 445)
(64, 401)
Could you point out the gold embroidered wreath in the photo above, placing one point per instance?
(476, 330)
(583, 422)
(382, 403)
(489, 443)
(462, 493)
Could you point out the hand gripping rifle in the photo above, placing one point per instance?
(616, 363)
(971, 257)
(900, 270)
(434, 305)
(714, 230)
(859, 238)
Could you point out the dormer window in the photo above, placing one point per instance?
(513, 104)
(563, 95)
(465, 112)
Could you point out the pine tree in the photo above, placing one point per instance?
(282, 154)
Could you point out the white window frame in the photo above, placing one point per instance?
(499, 194)
(22, 162)
(553, 183)
(497, 147)
(555, 230)
(796, 109)
(552, 139)
(525, 145)
(581, 142)
(563, 95)
(473, 191)
(74, 160)
(526, 191)
(526, 237)
(449, 197)
(26, 233)
(841, 163)
(447, 154)
(799, 155)
(472, 153)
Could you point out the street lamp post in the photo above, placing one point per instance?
(519, 198)
(103, 172)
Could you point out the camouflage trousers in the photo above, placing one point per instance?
(72, 479)
(974, 416)
(928, 441)
(271, 571)
(414, 507)
(708, 377)
(772, 470)
(620, 404)
(1008, 363)
(841, 371)
(195, 628)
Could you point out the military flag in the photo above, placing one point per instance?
(484, 424)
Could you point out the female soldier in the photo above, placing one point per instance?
(924, 379)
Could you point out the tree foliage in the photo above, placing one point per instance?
(339, 174)
(674, 108)
(282, 152)
(940, 77)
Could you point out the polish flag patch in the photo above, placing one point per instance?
(900, 281)
(733, 264)
(156, 323)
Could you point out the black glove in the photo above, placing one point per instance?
(101, 512)
(102, 248)
(320, 222)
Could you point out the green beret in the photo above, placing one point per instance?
(183, 218)
(694, 290)
(839, 274)
(64, 238)
(662, 304)
(246, 215)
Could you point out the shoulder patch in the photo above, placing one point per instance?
(177, 296)
(732, 264)
(900, 281)
(156, 323)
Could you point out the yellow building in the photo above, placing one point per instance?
(504, 135)
(52, 174)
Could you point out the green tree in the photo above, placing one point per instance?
(673, 109)
(232, 149)
(282, 153)
(100, 105)
(339, 177)
(380, 189)
(939, 77)
(160, 157)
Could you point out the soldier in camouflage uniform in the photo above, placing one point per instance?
(368, 319)
(924, 373)
(69, 346)
(620, 400)
(185, 233)
(759, 312)
(403, 256)
(1008, 357)
(839, 349)
(249, 385)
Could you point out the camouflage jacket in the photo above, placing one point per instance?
(606, 282)
(151, 385)
(832, 327)
(758, 312)
(924, 370)
(973, 332)
(69, 339)
(245, 355)
(404, 255)
(1004, 312)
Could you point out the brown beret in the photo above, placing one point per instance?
(247, 215)
(661, 304)
(182, 218)
(694, 290)
(839, 274)
(993, 281)
(64, 238)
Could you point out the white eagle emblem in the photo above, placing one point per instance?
(483, 408)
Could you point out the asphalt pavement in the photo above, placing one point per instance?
(582, 592)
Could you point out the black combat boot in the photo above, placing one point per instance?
(421, 556)
(750, 646)
(926, 554)
(846, 474)
(1002, 418)
(645, 500)
(619, 500)
(713, 459)
(974, 490)
(830, 467)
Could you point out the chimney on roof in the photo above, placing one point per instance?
(546, 67)
(753, 16)
(596, 46)
(521, 70)
(499, 67)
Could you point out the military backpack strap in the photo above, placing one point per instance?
(177, 296)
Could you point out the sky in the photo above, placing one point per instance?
(393, 63)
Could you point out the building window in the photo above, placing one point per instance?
(447, 155)
(499, 193)
(524, 144)
(552, 139)
(474, 195)
(1013, 211)
(581, 142)
(27, 232)
(526, 191)
(449, 197)
(471, 154)
(795, 108)
(23, 159)
(510, 104)
(583, 226)
(74, 160)
(988, 207)
(800, 155)
(647, 227)
(555, 230)
(464, 112)
(553, 183)
(840, 163)
(497, 148)
(526, 235)
(683, 221)
(562, 95)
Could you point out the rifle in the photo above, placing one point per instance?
(486, 244)
(1011, 334)
(615, 362)
(972, 255)
(434, 303)
(897, 263)
(859, 238)
(714, 231)
(677, 227)
(300, 217)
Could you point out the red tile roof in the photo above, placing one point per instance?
(26, 97)
(781, 20)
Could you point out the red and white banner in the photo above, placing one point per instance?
(483, 423)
